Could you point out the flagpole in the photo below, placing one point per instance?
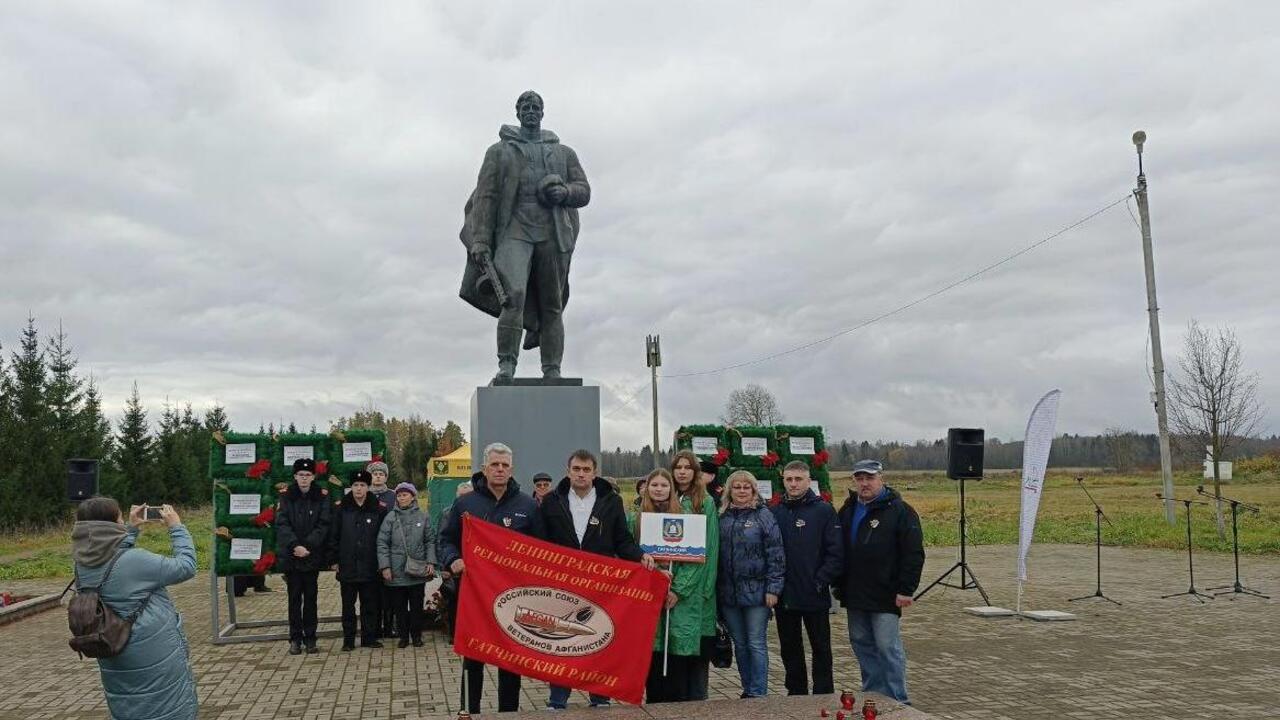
(666, 634)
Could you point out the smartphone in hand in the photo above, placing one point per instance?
(153, 513)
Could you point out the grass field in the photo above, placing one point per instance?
(993, 508)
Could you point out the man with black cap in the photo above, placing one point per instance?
(883, 558)
(302, 533)
(710, 471)
(353, 548)
(541, 486)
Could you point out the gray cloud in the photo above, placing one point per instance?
(260, 204)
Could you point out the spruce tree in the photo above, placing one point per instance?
(215, 419)
(134, 455)
(36, 470)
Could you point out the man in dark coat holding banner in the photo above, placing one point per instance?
(521, 223)
(584, 512)
(496, 499)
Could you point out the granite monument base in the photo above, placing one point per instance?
(543, 423)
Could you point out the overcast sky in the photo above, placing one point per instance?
(259, 203)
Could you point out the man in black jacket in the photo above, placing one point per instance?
(497, 499)
(883, 558)
(302, 533)
(815, 559)
(585, 513)
(353, 550)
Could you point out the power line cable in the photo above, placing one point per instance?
(902, 308)
(907, 306)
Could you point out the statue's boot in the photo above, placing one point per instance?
(508, 351)
(552, 349)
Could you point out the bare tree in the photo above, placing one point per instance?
(1122, 444)
(1212, 400)
(751, 405)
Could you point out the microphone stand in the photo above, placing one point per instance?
(1098, 517)
(1199, 596)
(1236, 588)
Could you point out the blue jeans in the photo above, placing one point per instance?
(877, 642)
(559, 698)
(749, 626)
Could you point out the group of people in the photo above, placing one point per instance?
(378, 541)
(784, 560)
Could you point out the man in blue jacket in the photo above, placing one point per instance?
(496, 499)
(883, 558)
(815, 559)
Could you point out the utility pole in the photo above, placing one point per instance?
(1153, 317)
(653, 358)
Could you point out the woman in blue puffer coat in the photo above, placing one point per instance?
(151, 678)
(753, 566)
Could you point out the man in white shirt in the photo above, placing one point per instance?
(584, 512)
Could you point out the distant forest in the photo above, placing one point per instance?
(1118, 450)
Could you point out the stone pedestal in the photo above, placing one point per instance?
(542, 423)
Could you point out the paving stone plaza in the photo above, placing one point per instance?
(1149, 658)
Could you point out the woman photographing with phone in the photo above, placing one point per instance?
(151, 677)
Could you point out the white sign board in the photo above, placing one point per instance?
(755, 446)
(357, 452)
(765, 488)
(705, 446)
(242, 454)
(802, 446)
(1224, 470)
(246, 548)
(298, 452)
(244, 504)
(674, 537)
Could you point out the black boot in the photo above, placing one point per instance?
(311, 648)
(404, 643)
(348, 644)
(417, 641)
(295, 647)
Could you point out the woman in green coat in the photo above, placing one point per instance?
(686, 471)
(685, 602)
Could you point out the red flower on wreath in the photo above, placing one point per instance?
(258, 469)
(826, 495)
(377, 458)
(770, 459)
(264, 563)
(265, 518)
(821, 458)
(721, 457)
(776, 499)
(322, 467)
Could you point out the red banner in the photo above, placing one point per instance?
(565, 616)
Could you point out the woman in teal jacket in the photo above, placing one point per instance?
(151, 678)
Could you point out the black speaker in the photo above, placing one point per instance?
(964, 453)
(82, 479)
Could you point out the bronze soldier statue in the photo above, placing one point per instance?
(521, 224)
